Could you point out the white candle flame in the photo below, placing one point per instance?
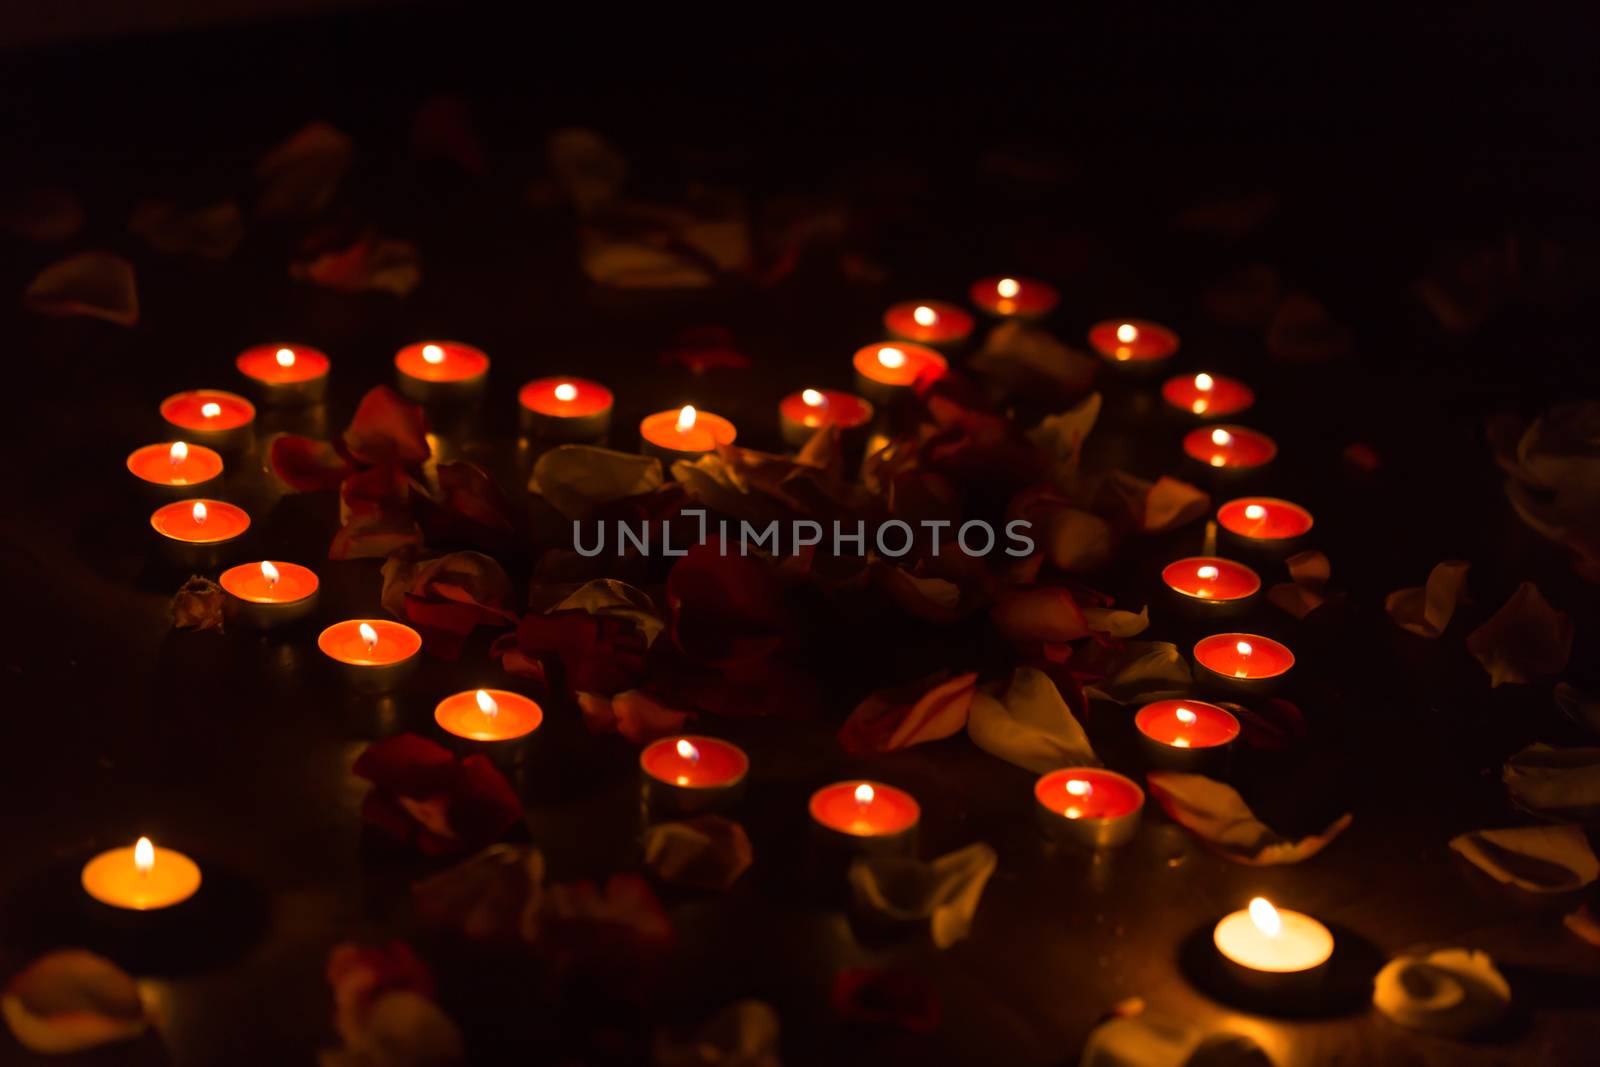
(285, 357)
(1077, 787)
(486, 703)
(432, 354)
(1265, 916)
(1204, 382)
(1243, 648)
(1206, 573)
(270, 573)
(1221, 437)
(686, 418)
(210, 409)
(177, 453)
(1008, 288)
(198, 513)
(864, 795)
(144, 855)
(1254, 511)
(369, 636)
(566, 391)
(1127, 333)
(892, 358)
(1187, 717)
(924, 315)
(687, 751)
(813, 398)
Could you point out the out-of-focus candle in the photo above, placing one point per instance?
(198, 533)
(1185, 734)
(692, 773)
(684, 433)
(1263, 523)
(801, 414)
(141, 877)
(1267, 946)
(1242, 663)
(210, 417)
(371, 655)
(1014, 297)
(1088, 806)
(1234, 448)
(1208, 396)
(1134, 343)
(285, 373)
(174, 467)
(863, 816)
(492, 718)
(928, 322)
(433, 372)
(565, 409)
(270, 593)
(1210, 586)
(886, 371)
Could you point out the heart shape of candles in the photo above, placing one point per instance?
(1230, 447)
(1211, 396)
(1014, 297)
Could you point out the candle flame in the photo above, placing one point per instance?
(211, 409)
(566, 391)
(1243, 648)
(1008, 288)
(864, 795)
(1077, 787)
(1127, 333)
(1200, 406)
(925, 315)
(269, 572)
(1187, 717)
(1206, 573)
(1254, 511)
(686, 418)
(1265, 916)
(285, 357)
(486, 703)
(891, 358)
(177, 453)
(1204, 382)
(198, 513)
(144, 855)
(1221, 437)
(687, 751)
(813, 398)
(369, 636)
(432, 354)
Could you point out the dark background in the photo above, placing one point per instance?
(1392, 146)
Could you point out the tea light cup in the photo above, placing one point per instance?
(270, 593)
(1186, 735)
(211, 417)
(865, 818)
(371, 655)
(564, 410)
(1088, 807)
(692, 774)
(1134, 345)
(801, 414)
(1264, 525)
(1014, 297)
(1248, 665)
(285, 375)
(496, 722)
(1207, 396)
(1210, 587)
(1229, 451)
(887, 371)
(200, 534)
(141, 877)
(174, 469)
(1273, 950)
(683, 433)
(441, 372)
(929, 322)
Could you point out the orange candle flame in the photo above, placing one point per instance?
(687, 750)
(369, 636)
(924, 315)
(285, 357)
(270, 573)
(1127, 333)
(566, 391)
(1203, 382)
(864, 795)
(1008, 288)
(686, 418)
(433, 353)
(813, 399)
(486, 704)
(1265, 916)
(198, 513)
(177, 453)
(892, 358)
(144, 855)
(211, 409)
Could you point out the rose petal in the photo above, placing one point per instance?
(1060, 438)
(491, 897)
(1218, 815)
(927, 710)
(1540, 859)
(1046, 613)
(307, 465)
(946, 892)
(96, 284)
(744, 1034)
(70, 1000)
(636, 716)
(209, 232)
(1297, 600)
(578, 479)
(1021, 357)
(1525, 639)
(1559, 783)
(1452, 992)
(897, 998)
(1273, 725)
(424, 795)
(300, 176)
(586, 166)
(725, 608)
(387, 428)
(1427, 610)
(1029, 725)
(371, 263)
(707, 852)
(1583, 923)
(1134, 671)
(1580, 707)
(1302, 331)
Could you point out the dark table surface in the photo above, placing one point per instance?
(237, 748)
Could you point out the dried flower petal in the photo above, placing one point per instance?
(1559, 783)
(96, 284)
(1134, 671)
(744, 1034)
(300, 175)
(70, 1000)
(926, 710)
(209, 232)
(706, 852)
(492, 897)
(637, 716)
(1525, 639)
(1427, 610)
(424, 795)
(577, 479)
(1029, 725)
(1452, 992)
(946, 892)
(1218, 815)
(370, 263)
(1540, 859)
(897, 998)
(198, 605)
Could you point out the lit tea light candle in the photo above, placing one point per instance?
(870, 817)
(174, 467)
(928, 322)
(1264, 524)
(1020, 298)
(1248, 664)
(270, 593)
(372, 655)
(1133, 343)
(801, 414)
(886, 371)
(210, 417)
(1187, 735)
(564, 409)
(1210, 587)
(1270, 949)
(141, 877)
(285, 374)
(439, 372)
(1232, 448)
(1088, 806)
(1208, 396)
(684, 775)
(497, 721)
(684, 433)
(198, 534)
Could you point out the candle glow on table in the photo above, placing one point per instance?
(565, 408)
(1132, 340)
(141, 877)
(1266, 939)
(928, 322)
(1187, 724)
(1260, 518)
(1248, 657)
(1014, 297)
(864, 809)
(1212, 396)
(1231, 447)
(174, 464)
(200, 522)
(686, 431)
(488, 715)
(1211, 578)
